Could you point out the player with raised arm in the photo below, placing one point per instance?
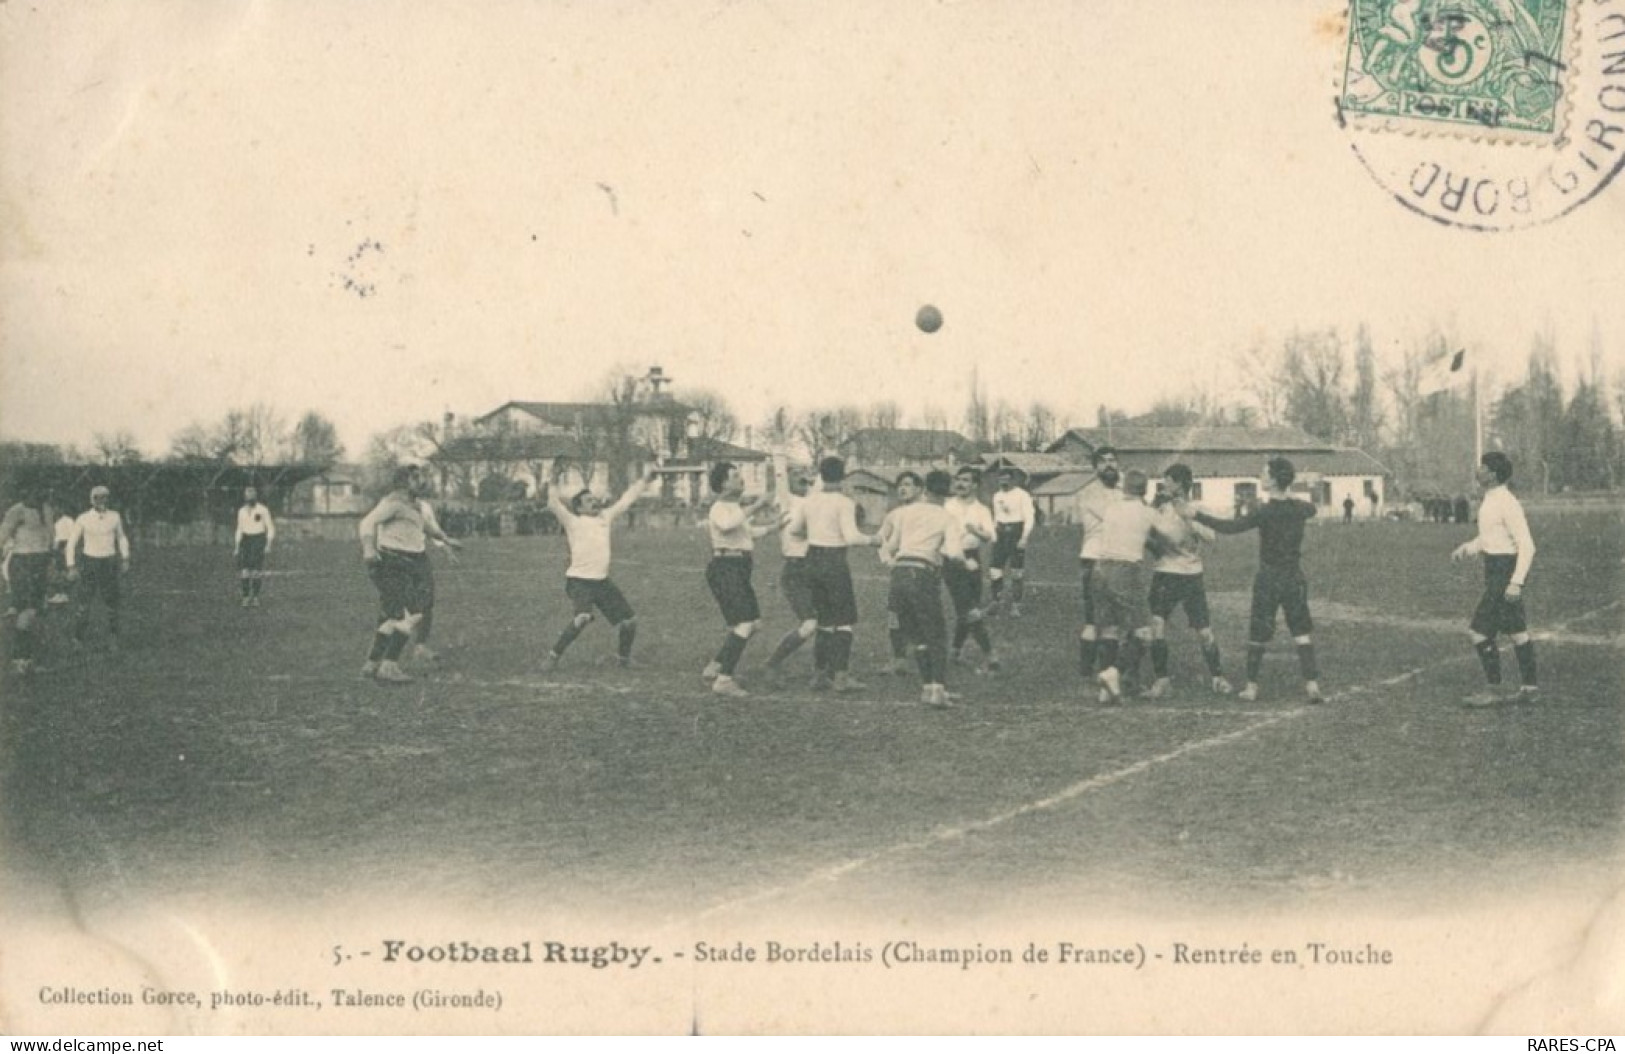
(733, 541)
(1100, 494)
(98, 537)
(1176, 581)
(918, 538)
(26, 535)
(587, 522)
(964, 577)
(256, 533)
(793, 581)
(828, 520)
(1508, 550)
(1013, 518)
(1280, 584)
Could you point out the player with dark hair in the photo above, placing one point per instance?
(256, 533)
(587, 522)
(1100, 494)
(964, 579)
(1013, 520)
(918, 537)
(907, 489)
(733, 538)
(26, 535)
(98, 536)
(793, 580)
(394, 546)
(1508, 550)
(827, 519)
(1127, 528)
(1280, 584)
(1176, 581)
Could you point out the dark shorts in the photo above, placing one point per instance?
(729, 579)
(588, 593)
(916, 600)
(1006, 546)
(1169, 591)
(251, 552)
(29, 572)
(1086, 565)
(1118, 589)
(834, 603)
(99, 577)
(1495, 614)
(797, 588)
(1286, 591)
(403, 582)
(964, 585)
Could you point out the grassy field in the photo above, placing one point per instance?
(235, 749)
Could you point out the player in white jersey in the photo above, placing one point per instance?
(827, 519)
(793, 581)
(1013, 519)
(918, 537)
(1176, 581)
(964, 579)
(1093, 501)
(98, 556)
(394, 547)
(256, 533)
(733, 541)
(587, 522)
(1118, 585)
(1508, 550)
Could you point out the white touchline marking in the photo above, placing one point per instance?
(1076, 790)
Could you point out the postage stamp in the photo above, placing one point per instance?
(1499, 67)
(1486, 115)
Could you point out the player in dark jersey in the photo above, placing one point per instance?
(1280, 582)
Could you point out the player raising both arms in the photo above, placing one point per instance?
(1013, 520)
(1508, 550)
(1280, 583)
(733, 539)
(1093, 501)
(828, 520)
(587, 524)
(395, 547)
(1127, 528)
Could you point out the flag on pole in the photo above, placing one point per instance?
(1442, 374)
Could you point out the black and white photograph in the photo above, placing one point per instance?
(753, 517)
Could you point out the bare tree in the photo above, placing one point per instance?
(711, 415)
(1260, 369)
(315, 440)
(1040, 428)
(1313, 382)
(1008, 427)
(885, 414)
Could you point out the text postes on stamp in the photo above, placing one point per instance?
(1498, 67)
(1490, 115)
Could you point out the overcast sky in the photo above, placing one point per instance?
(382, 212)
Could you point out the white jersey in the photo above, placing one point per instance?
(792, 545)
(968, 513)
(1015, 506)
(1093, 501)
(589, 546)
(1184, 558)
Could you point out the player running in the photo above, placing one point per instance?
(1508, 550)
(1176, 581)
(587, 524)
(964, 577)
(733, 539)
(256, 533)
(1013, 520)
(1280, 583)
(918, 537)
(395, 547)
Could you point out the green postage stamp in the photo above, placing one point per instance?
(1496, 66)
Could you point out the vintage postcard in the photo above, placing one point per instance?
(765, 517)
